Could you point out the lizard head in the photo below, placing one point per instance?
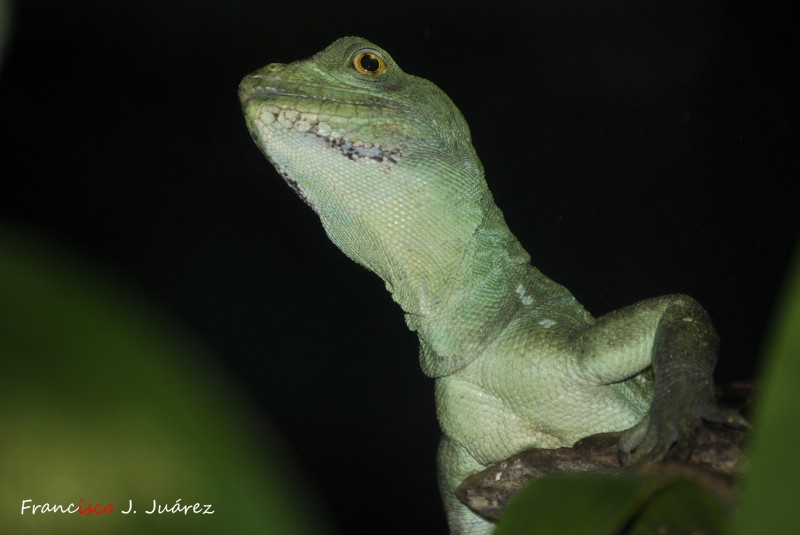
(383, 157)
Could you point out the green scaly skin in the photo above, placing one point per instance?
(386, 161)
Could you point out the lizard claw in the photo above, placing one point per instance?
(725, 416)
(653, 440)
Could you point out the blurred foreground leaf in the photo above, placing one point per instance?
(605, 505)
(772, 483)
(103, 399)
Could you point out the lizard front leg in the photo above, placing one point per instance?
(673, 336)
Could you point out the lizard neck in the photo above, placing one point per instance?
(490, 283)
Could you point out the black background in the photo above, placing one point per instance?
(635, 151)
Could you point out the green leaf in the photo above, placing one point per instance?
(597, 505)
(682, 507)
(771, 489)
(104, 399)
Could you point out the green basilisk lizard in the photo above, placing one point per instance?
(385, 160)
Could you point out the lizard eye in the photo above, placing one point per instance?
(369, 62)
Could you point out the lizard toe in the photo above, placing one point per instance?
(726, 416)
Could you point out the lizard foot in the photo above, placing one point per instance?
(669, 431)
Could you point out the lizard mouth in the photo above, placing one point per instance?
(354, 124)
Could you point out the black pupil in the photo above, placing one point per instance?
(369, 63)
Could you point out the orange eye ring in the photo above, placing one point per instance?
(369, 62)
